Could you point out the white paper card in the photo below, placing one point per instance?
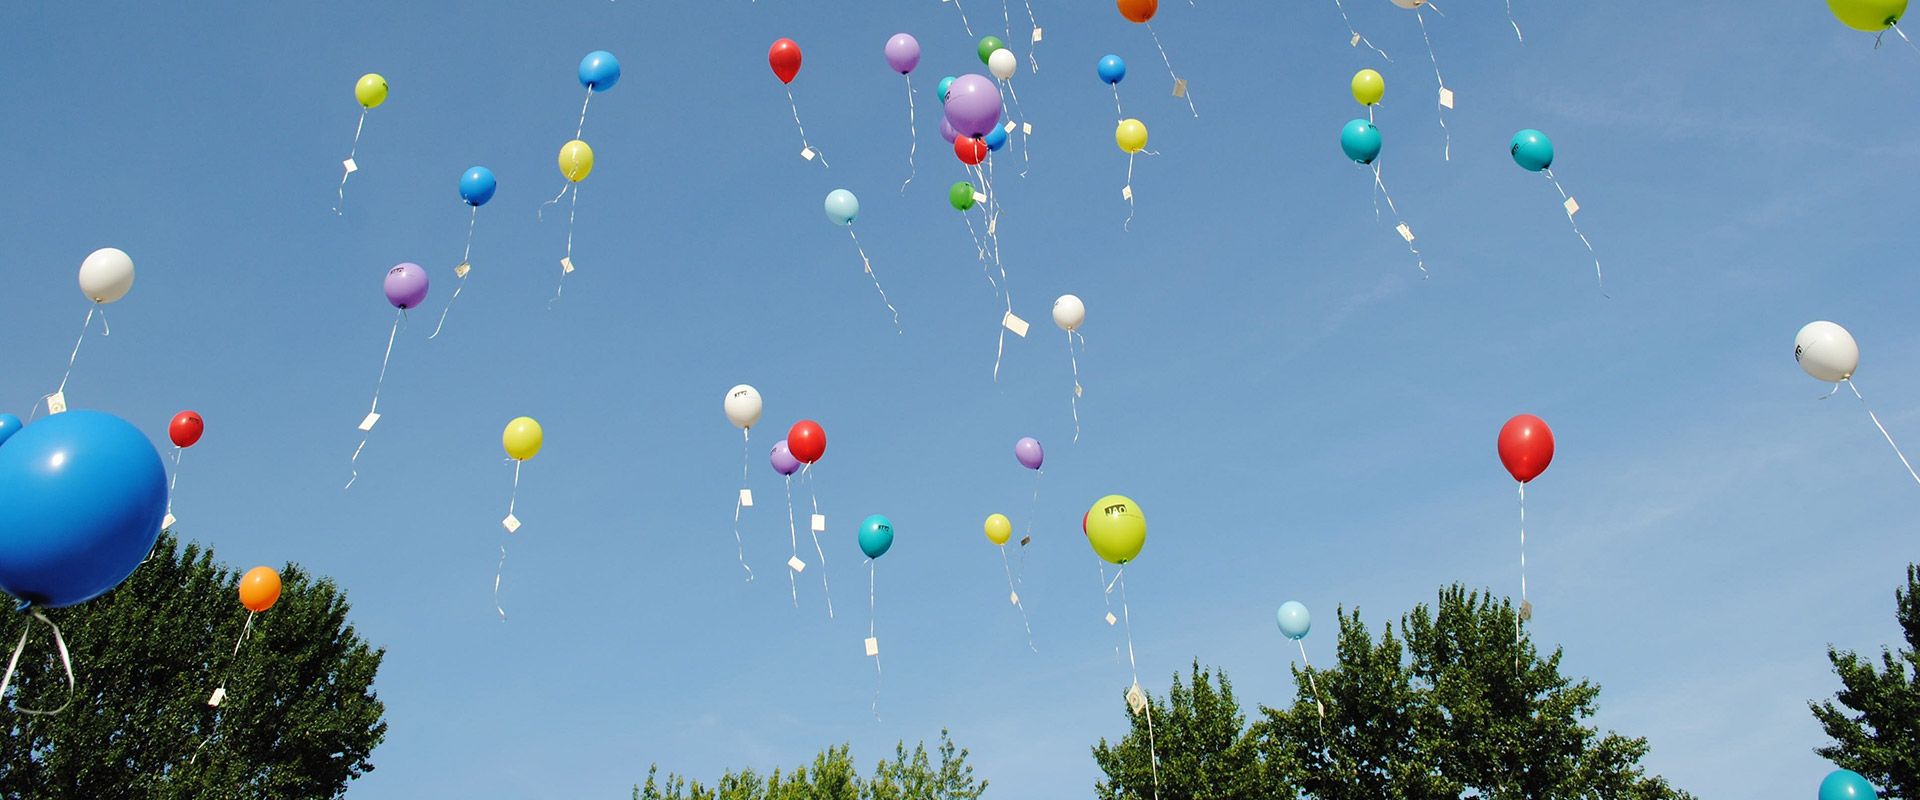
(746, 498)
(168, 522)
(806, 153)
(1126, 192)
(1036, 34)
(218, 695)
(1526, 611)
(1136, 699)
(1026, 128)
(1111, 619)
(1355, 42)
(1076, 390)
(819, 523)
(992, 223)
(1405, 232)
(461, 271)
(1571, 206)
(367, 424)
(796, 564)
(1015, 324)
(979, 198)
(57, 403)
(873, 646)
(566, 266)
(1014, 597)
(511, 523)
(351, 167)
(1179, 87)
(1446, 97)
(1010, 126)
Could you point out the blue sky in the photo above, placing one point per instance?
(1298, 413)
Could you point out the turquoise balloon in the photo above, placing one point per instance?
(1532, 150)
(842, 207)
(944, 83)
(1294, 620)
(1361, 141)
(1845, 784)
(876, 536)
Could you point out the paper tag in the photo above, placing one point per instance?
(1014, 597)
(367, 424)
(566, 266)
(1026, 128)
(57, 403)
(1526, 610)
(218, 695)
(1355, 42)
(1010, 126)
(819, 523)
(979, 198)
(1111, 619)
(1126, 192)
(1179, 87)
(461, 271)
(1036, 34)
(351, 167)
(992, 222)
(167, 522)
(511, 523)
(1405, 232)
(1446, 97)
(806, 153)
(1015, 324)
(873, 646)
(746, 498)
(1136, 699)
(796, 564)
(1571, 206)
(1024, 540)
(1076, 390)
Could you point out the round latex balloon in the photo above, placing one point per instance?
(743, 406)
(1868, 15)
(371, 91)
(960, 196)
(987, 47)
(477, 185)
(947, 132)
(185, 429)
(1003, 64)
(1294, 620)
(1826, 351)
(522, 438)
(842, 207)
(1845, 784)
(576, 160)
(1138, 10)
(782, 459)
(1531, 149)
(1131, 136)
(81, 499)
(970, 151)
(999, 529)
(1368, 87)
(106, 275)
(903, 53)
(1116, 528)
(9, 425)
(945, 83)
(1069, 312)
(1112, 69)
(876, 536)
(1028, 451)
(260, 589)
(1410, 3)
(784, 57)
(973, 104)
(995, 139)
(599, 71)
(406, 285)
(1360, 140)
(807, 441)
(1526, 447)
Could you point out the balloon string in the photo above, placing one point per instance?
(583, 114)
(1516, 25)
(1119, 116)
(1152, 749)
(502, 568)
(1176, 78)
(573, 207)
(807, 473)
(368, 433)
(878, 676)
(541, 212)
(1357, 38)
(1014, 592)
(173, 480)
(738, 545)
(1031, 41)
(66, 661)
(347, 173)
(1576, 231)
(980, 250)
(1075, 398)
(963, 18)
(463, 278)
(868, 266)
(803, 128)
(794, 537)
(913, 137)
(1106, 596)
(1438, 106)
(1523, 543)
(1315, 686)
(1400, 225)
(1903, 37)
(75, 355)
(1006, 21)
(1883, 430)
(1128, 225)
(1033, 509)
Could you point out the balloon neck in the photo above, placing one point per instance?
(24, 606)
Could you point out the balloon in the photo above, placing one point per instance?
(260, 589)
(1112, 69)
(1029, 452)
(106, 275)
(961, 196)
(1409, 3)
(807, 441)
(1532, 150)
(995, 139)
(947, 132)
(743, 406)
(842, 207)
(1131, 136)
(1069, 312)
(1368, 86)
(1361, 141)
(782, 459)
(1003, 64)
(903, 53)
(522, 438)
(1845, 784)
(1115, 528)
(371, 91)
(81, 498)
(876, 536)
(970, 151)
(945, 83)
(1868, 15)
(988, 47)
(576, 160)
(1139, 10)
(784, 57)
(999, 530)
(599, 71)
(476, 187)
(185, 429)
(973, 105)
(1526, 447)
(1294, 620)
(1826, 351)
(9, 425)
(406, 285)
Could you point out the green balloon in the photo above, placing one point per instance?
(961, 195)
(1865, 15)
(988, 45)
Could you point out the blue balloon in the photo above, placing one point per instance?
(1112, 69)
(9, 425)
(944, 83)
(842, 207)
(476, 187)
(1532, 149)
(82, 495)
(1361, 141)
(599, 71)
(996, 138)
(876, 536)
(1845, 784)
(1294, 620)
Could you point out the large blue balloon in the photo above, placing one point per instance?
(82, 495)
(1845, 784)
(876, 536)
(944, 83)
(1294, 620)
(1361, 141)
(996, 138)
(842, 207)
(599, 71)
(9, 425)
(1112, 69)
(1532, 149)
(476, 187)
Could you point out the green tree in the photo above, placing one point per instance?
(299, 718)
(1880, 738)
(832, 776)
(1204, 748)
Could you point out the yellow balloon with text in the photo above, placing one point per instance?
(576, 160)
(522, 439)
(371, 90)
(999, 530)
(1131, 136)
(1368, 87)
(1116, 528)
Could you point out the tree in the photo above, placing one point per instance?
(1880, 739)
(833, 777)
(1202, 742)
(299, 718)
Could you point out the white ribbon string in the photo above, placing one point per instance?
(1357, 38)
(868, 266)
(1013, 591)
(963, 18)
(1883, 430)
(347, 173)
(1034, 508)
(738, 545)
(1176, 78)
(980, 250)
(66, 661)
(464, 257)
(502, 569)
(1576, 231)
(803, 128)
(913, 137)
(1439, 108)
(1523, 543)
(583, 114)
(1315, 686)
(1075, 398)
(1106, 596)
(878, 676)
(1006, 22)
(1118, 115)
(1903, 37)
(1152, 749)
(75, 355)
(1381, 187)
(1032, 43)
(1128, 225)
(355, 461)
(1516, 25)
(794, 537)
(807, 474)
(173, 480)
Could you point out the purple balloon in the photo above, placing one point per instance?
(947, 132)
(1029, 452)
(903, 53)
(783, 460)
(406, 285)
(973, 105)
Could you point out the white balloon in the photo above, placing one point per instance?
(1003, 64)
(1069, 312)
(106, 275)
(1826, 351)
(743, 406)
(1409, 3)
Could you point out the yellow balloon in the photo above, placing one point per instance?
(576, 160)
(999, 530)
(522, 439)
(1116, 528)
(1868, 15)
(371, 90)
(1131, 136)
(1368, 87)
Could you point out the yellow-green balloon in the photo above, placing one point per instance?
(1868, 15)
(1116, 528)
(371, 90)
(1368, 87)
(999, 529)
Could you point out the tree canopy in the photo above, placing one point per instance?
(832, 776)
(1874, 720)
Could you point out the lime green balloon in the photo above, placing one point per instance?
(1116, 528)
(961, 195)
(1866, 15)
(990, 44)
(1368, 87)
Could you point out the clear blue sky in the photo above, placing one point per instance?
(1300, 415)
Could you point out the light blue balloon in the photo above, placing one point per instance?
(9, 425)
(1532, 149)
(599, 71)
(1361, 141)
(1112, 69)
(842, 207)
(476, 187)
(944, 83)
(876, 536)
(1294, 620)
(1845, 784)
(996, 138)
(81, 498)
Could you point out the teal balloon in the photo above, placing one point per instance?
(1294, 620)
(9, 425)
(842, 207)
(1361, 141)
(1845, 784)
(1532, 150)
(944, 83)
(876, 536)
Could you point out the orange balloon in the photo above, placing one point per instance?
(1138, 10)
(260, 588)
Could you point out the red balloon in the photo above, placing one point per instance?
(1526, 447)
(971, 151)
(186, 428)
(784, 57)
(806, 441)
